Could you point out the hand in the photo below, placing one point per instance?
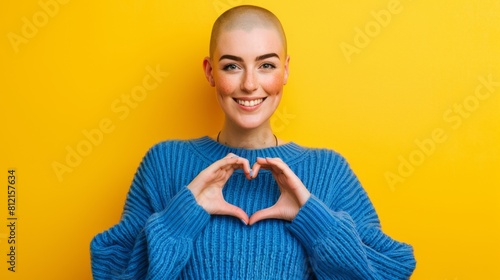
(293, 192)
(207, 186)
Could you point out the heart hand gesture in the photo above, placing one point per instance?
(207, 186)
(207, 189)
(293, 192)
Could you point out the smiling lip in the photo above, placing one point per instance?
(249, 103)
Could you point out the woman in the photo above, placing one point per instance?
(245, 204)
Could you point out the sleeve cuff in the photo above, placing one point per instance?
(315, 221)
(183, 218)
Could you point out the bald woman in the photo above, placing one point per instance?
(244, 204)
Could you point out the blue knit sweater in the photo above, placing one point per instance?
(165, 234)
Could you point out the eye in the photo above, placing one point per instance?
(230, 67)
(268, 66)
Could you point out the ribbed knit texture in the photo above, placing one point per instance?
(165, 234)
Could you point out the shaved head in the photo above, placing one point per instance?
(246, 18)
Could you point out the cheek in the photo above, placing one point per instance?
(225, 85)
(273, 84)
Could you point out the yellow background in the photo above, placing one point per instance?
(394, 88)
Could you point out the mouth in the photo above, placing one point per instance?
(249, 103)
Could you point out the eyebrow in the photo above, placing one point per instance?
(258, 58)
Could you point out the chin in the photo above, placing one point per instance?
(249, 124)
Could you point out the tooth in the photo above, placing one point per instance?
(250, 103)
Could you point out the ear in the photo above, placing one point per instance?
(287, 69)
(207, 68)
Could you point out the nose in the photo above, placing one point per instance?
(249, 83)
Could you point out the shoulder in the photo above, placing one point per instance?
(173, 144)
(332, 165)
(326, 156)
(165, 151)
(344, 191)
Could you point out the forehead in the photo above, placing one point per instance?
(251, 41)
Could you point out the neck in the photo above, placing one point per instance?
(247, 138)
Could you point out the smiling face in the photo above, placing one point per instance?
(248, 68)
(248, 65)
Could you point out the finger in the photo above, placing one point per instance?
(263, 163)
(222, 163)
(231, 155)
(277, 166)
(245, 165)
(231, 210)
(255, 169)
(242, 163)
(268, 164)
(294, 183)
(268, 213)
(232, 161)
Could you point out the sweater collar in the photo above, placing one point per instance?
(212, 151)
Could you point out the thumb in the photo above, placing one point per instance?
(231, 210)
(268, 213)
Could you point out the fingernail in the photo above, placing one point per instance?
(251, 173)
(243, 222)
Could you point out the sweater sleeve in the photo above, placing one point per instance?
(148, 242)
(348, 243)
